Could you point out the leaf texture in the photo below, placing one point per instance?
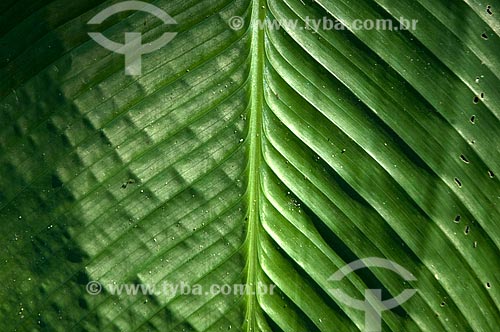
(253, 156)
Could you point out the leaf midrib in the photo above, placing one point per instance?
(254, 159)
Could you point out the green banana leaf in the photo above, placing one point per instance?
(277, 158)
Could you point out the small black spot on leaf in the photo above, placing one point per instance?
(475, 100)
(457, 219)
(484, 36)
(464, 159)
(467, 230)
(488, 10)
(472, 119)
(129, 181)
(490, 173)
(458, 182)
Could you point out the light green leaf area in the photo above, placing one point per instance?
(250, 157)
